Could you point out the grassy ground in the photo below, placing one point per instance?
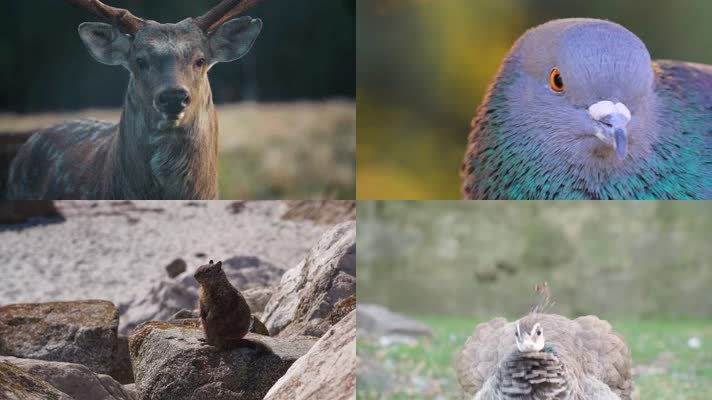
(294, 151)
(665, 366)
(298, 150)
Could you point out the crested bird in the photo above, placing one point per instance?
(578, 110)
(544, 356)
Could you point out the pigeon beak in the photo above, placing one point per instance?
(614, 119)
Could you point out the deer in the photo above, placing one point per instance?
(165, 145)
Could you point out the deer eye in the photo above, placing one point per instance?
(200, 62)
(142, 64)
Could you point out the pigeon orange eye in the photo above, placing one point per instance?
(555, 81)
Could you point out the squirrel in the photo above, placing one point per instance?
(224, 313)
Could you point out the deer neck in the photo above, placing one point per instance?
(179, 163)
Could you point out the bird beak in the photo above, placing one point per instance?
(614, 119)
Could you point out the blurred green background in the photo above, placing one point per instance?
(644, 266)
(306, 50)
(423, 67)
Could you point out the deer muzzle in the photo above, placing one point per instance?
(172, 102)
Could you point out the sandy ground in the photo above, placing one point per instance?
(118, 250)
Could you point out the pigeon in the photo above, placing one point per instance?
(578, 110)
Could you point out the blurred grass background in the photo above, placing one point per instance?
(644, 266)
(423, 67)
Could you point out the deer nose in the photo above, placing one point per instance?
(173, 101)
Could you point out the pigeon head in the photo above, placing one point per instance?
(206, 272)
(583, 90)
(529, 335)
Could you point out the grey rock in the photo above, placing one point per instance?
(342, 309)
(237, 207)
(248, 272)
(15, 383)
(185, 314)
(122, 370)
(308, 293)
(176, 267)
(376, 320)
(327, 371)
(17, 212)
(161, 302)
(171, 361)
(131, 390)
(258, 298)
(326, 212)
(81, 332)
(75, 380)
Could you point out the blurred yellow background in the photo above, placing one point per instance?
(424, 65)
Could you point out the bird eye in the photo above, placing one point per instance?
(142, 64)
(200, 62)
(555, 81)
(538, 333)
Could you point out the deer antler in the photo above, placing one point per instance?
(119, 17)
(222, 12)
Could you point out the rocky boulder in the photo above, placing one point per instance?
(308, 293)
(342, 309)
(81, 332)
(376, 320)
(163, 300)
(324, 212)
(248, 272)
(122, 370)
(258, 298)
(171, 361)
(327, 371)
(176, 267)
(16, 212)
(131, 390)
(18, 384)
(75, 380)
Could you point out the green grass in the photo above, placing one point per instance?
(665, 367)
(304, 150)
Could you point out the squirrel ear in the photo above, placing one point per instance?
(219, 264)
(211, 261)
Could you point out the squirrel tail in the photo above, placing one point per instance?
(251, 344)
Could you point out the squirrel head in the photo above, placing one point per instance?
(208, 271)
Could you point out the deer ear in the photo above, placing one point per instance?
(234, 38)
(105, 43)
